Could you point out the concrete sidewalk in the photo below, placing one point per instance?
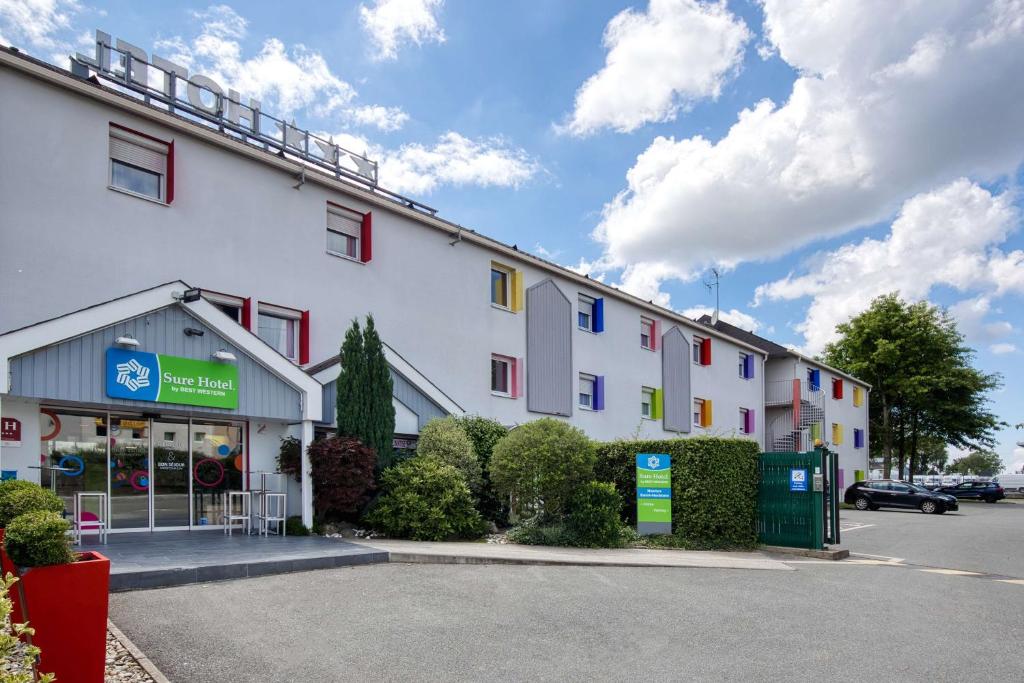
(494, 553)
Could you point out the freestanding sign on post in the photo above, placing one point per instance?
(653, 493)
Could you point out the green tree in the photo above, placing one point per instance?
(445, 439)
(365, 410)
(981, 463)
(923, 382)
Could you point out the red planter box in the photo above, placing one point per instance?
(67, 606)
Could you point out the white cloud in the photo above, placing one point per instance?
(455, 160)
(385, 118)
(659, 61)
(948, 237)
(893, 99)
(1003, 348)
(37, 24)
(736, 317)
(390, 23)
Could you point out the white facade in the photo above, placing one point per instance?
(238, 225)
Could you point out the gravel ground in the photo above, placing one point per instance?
(121, 666)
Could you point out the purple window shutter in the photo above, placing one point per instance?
(599, 392)
(840, 478)
(750, 421)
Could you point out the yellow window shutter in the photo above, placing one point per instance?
(706, 413)
(837, 434)
(815, 431)
(657, 404)
(517, 290)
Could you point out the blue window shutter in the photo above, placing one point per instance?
(599, 392)
(816, 378)
(598, 315)
(748, 366)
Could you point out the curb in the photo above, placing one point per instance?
(450, 559)
(147, 665)
(828, 554)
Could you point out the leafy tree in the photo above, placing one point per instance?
(923, 383)
(446, 440)
(932, 455)
(365, 410)
(342, 473)
(981, 463)
(485, 433)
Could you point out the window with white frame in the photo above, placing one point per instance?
(743, 365)
(698, 412)
(646, 333)
(501, 284)
(138, 164)
(279, 327)
(344, 228)
(646, 402)
(586, 396)
(744, 421)
(585, 313)
(230, 306)
(501, 375)
(698, 343)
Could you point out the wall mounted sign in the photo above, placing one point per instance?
(653, 493)
(10, 431)
(798, 479)
(201, 96)
(170, 379)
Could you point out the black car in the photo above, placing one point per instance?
(988, 491)
(889, 493)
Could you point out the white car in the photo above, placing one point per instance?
(1010, 482)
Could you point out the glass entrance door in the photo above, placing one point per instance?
(171, 472)
(129, 473)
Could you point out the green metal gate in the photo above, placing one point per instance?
(797, 499)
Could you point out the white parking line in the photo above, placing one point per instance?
(855, 527)
(878, 557)
(950, 572)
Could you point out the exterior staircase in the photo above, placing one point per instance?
(789, 432)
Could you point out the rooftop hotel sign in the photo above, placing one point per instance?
(170, 379)
(161, 80)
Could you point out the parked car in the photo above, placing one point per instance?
(988, 491)
(1010, 482)
(890, 493)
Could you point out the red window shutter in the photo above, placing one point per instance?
(705, 351)
(837, 388)
(247, 314)
(655, 335)
(170, 172)
(366, 238)
(304, 338)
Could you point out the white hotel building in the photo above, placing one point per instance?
(183, 231)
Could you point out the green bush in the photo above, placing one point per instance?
(18, 497)
(593, 520)
(540, 530)
(540, 464)
(293, 526)
(445, 440)
(485, 433)
(38, 539)
(714, 487)
(425, 500)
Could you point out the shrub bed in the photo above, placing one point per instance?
(342, 473)
(714, 487)
(18, 497)
(445, 439)
(485, 434)
(37, 539)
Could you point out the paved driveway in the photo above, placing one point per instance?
(474, 622)
(979, 537)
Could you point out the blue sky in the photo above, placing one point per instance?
(818, 153)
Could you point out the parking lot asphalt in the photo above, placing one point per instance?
(498, 622)
(979, 537)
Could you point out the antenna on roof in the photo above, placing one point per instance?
(710, 285)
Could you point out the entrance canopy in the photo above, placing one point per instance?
(154, 350)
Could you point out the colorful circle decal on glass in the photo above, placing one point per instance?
(74, 465)
(223, 449)
(140, 480)
(212, 473)
(56, 425)
(238, 462)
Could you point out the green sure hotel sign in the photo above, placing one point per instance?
(170, 379)
(653, 493)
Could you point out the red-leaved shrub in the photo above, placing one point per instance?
(342, 477)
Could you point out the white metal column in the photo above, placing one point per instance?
(307, 474)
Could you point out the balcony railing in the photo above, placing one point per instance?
(780, 392)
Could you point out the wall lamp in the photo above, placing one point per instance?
(193, 332)
(127, 341)
(223, 355)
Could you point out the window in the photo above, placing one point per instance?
(647, 403)
(286, 330)
(837, 388)
(501, 375)
(746, 421)
(648, 332)
(585, 314)
(701, 350)
(233, 307)
(139, 164)
(698, 412)
(746, 365)
(198, 436)
(587, 393)
(506, 287)
(344, 229)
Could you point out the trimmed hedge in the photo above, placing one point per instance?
(714, 487)
(38, 539)
(18, 497)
